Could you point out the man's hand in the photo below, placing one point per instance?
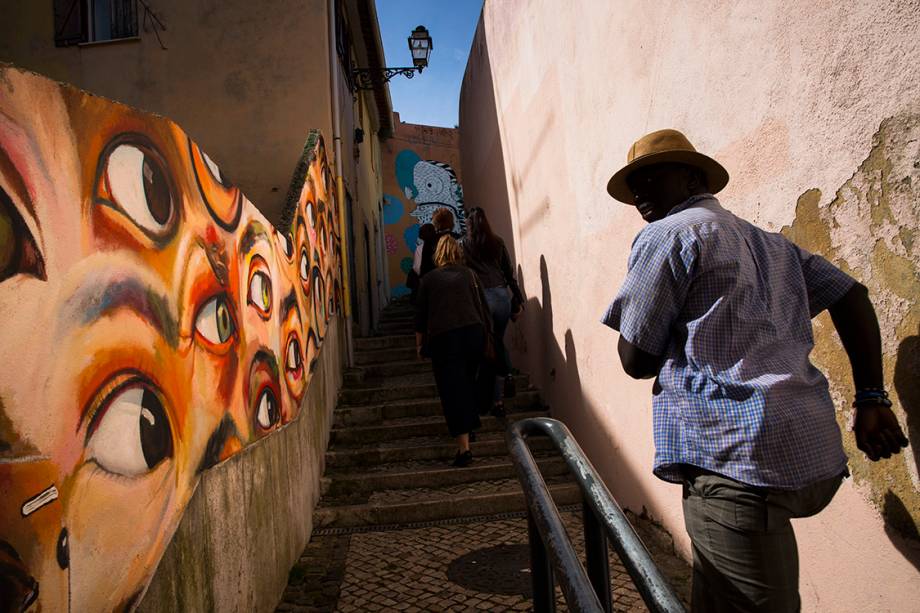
(878, 433)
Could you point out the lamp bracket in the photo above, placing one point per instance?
(368, 78)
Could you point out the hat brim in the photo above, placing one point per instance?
(716, 175)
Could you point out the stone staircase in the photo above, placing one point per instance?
(389, 454)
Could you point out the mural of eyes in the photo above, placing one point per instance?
(215, 322)
(18, 251)
(223, 199)
(135, 181)
(293, 365)
(129, 433)
(305, 271)
(319, 292)
(287, 245)
(311, 214)
(260, 288)
(263, 390)
(267, 414)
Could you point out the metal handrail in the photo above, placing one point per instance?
(550, 548)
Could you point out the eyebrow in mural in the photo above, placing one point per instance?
(104, 295)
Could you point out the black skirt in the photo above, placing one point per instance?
(455, 358)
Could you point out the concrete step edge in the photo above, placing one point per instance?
(434, 509)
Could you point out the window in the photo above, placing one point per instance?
(84, 21)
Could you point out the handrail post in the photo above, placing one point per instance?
(541, 572)
(596, 556)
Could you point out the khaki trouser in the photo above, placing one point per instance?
(744, 551)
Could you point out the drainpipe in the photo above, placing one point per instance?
(340, 184)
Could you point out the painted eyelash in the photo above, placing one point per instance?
(101, 401)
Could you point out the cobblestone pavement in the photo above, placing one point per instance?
(479, 565)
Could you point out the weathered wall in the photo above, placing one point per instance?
(248, 83)
(154, 324)
(421, 173)
(813, 108)
(251, 517)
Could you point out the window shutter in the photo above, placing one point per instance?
(68, 22)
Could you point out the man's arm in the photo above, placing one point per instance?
(878, 433)
(638, 364)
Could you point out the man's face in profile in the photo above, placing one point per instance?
(659, 188)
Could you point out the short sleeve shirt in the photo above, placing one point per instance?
(729, 306)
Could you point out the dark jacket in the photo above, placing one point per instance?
(495, 273)
(448, 298)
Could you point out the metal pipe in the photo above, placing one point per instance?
(541, 571)
(340, 184)
(655, 590)
(596, 556)
(571, 574)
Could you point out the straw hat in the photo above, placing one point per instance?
(664, 146)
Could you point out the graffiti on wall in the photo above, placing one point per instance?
(429, 185)
(154, 323)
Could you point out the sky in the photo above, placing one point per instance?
(431, 98)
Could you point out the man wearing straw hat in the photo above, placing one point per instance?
(719, 312)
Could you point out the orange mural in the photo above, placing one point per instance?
(154, 323)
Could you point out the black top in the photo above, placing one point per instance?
(449, 297)
(428, 249)
(495, 273)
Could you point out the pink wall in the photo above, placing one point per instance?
(813, 111)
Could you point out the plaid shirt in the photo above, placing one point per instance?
(729, 307)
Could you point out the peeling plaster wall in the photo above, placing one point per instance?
(813, 108)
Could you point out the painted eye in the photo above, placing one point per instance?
(260, 292)
(304, 266)
(267, 414)
(293, 359)
(214, 321)
(287, 245)
(137, 182)
(131, 434)
(311, 214)
(214, 169)
(18, 252)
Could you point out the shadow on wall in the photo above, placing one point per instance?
(899, 525)
(907, 385)
(531, 340)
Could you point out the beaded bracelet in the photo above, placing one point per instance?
(871, 395)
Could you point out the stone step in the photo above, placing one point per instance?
(378, 356)
(422, 448)
(429, 474)
(526, 400)
(422, 505)
(416, 376)
(359, 374)
(370, 343)
(408, 427)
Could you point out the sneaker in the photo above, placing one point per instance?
(462, 460)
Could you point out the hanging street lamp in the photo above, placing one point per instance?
(420, 46)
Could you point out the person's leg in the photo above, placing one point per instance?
(448, 361)
(744, 551)
(499, 300)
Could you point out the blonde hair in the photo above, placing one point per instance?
(449, 252)
(443, 219)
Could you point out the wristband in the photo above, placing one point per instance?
(871, 395)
